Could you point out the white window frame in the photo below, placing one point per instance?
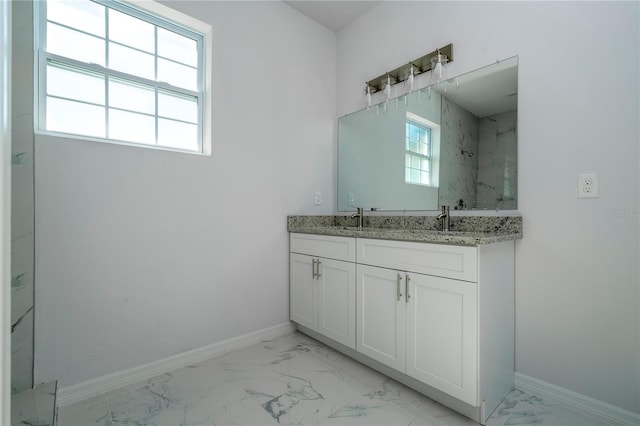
(434, 148)
(434, 157)
(156, 14)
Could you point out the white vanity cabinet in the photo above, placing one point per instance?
(323, 285)
(437, 317)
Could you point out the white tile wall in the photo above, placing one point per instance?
(22, 199)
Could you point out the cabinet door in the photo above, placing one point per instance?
(381, 315)
(442, 335)
(337, 301)
(303, 289)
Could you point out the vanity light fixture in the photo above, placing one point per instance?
(433, 61)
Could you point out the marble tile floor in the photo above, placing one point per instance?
(292, 380)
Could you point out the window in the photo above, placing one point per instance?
(111, 72)
(418, 148)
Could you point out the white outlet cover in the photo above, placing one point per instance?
(588, 185)
(317, 199)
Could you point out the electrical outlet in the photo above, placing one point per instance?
(588, 185)
(317, 199)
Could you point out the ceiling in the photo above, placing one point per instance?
(485, 91)
(334, 15)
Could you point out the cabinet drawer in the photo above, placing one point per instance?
(458, 262)
(339, 248)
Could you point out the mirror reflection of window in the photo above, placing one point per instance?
(419, 141)
(418, 154)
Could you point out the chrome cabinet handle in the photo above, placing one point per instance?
(398, 290)
(406, 289)
(318, 274)
(313, 269)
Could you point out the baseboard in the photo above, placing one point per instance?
(603, 411)
(70, 394)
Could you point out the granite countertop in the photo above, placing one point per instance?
(469, 230)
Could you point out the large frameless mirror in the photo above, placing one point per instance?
(454, 143)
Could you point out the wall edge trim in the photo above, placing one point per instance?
(68, 395)
(575, 401)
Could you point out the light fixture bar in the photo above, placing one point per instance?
(400, 74)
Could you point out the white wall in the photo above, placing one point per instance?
(143, 254)
(577, 278)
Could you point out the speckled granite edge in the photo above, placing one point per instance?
(465, 230)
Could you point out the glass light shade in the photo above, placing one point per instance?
(437, 68)
(410, 81)
(387, 88)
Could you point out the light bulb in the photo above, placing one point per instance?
(387, 88)
(410, 80)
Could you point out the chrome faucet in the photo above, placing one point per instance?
(445, 218)
(360, 216)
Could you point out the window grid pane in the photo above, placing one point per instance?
(62, 117)
(131, 96)
(177, 75)
(84, 16)
(131, 61)
(418, 154)
(173, 105)
(130, 31)
(132, 127)
(76, 84)
(177, 47)
(175, 134)
(75, 45)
